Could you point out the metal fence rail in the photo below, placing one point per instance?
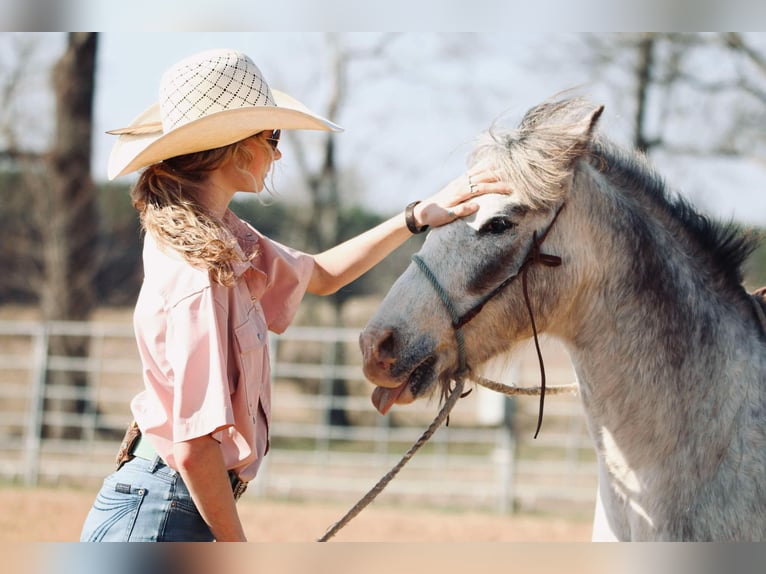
(479, 461)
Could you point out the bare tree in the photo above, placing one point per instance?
(706, 94)
(22, 166)
(323, 182)
(69, 235)
(68, 218)
(50, 208)
(714, 81)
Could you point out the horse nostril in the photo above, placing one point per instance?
(379, 347)
(387, 347)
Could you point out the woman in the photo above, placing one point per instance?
(213, 287)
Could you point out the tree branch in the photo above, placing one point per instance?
(736, 42)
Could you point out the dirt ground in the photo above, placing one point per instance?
(51, 515)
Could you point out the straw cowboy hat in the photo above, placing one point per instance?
(208, 100)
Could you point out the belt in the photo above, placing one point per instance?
(143, 449)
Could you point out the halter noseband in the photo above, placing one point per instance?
(534, 255)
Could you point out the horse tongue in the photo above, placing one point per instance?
(384, 398)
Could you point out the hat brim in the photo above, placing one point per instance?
(132, 152)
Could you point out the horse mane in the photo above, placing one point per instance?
(725, 245)
(539, 157)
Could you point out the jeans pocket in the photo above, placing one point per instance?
(113, 515)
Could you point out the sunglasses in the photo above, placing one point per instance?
(274, 139)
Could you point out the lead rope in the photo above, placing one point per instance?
(443, 414)
(383, 482)
(455, 394)
(512, 390)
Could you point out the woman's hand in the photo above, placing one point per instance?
(453, 200)
(343, 263)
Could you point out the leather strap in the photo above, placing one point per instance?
(409, 219)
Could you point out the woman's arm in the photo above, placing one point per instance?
(200, 463)
(340, 265)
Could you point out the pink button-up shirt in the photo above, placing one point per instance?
(204, 347)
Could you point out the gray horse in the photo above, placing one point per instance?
(646, 295)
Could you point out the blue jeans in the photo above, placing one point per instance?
(144, 501)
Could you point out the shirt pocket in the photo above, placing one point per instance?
(251, 356)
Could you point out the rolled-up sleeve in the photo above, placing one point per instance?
(288, 272)
(197, 346)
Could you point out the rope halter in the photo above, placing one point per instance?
(534, 255)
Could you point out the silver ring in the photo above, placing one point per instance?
(450, 213)
(473, 187)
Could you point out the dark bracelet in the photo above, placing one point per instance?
(409, 219)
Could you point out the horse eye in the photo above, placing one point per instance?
(497, 225)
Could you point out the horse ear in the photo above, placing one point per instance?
(582, 131)
(593, 119)
(576, 137)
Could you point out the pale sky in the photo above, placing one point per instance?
(408, 130)
(410, 119)
(410, 122)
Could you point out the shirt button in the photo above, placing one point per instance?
(260, 336)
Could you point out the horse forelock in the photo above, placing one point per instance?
(538, 156)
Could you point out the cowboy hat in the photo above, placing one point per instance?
(209, 100)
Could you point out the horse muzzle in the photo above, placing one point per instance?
(400, 380)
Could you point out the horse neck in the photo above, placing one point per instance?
(650, 339)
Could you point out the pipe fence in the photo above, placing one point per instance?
(327, 441)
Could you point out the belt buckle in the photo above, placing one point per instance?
(238, 486)
(239, 489)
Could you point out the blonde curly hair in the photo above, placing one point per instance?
(165, 197)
